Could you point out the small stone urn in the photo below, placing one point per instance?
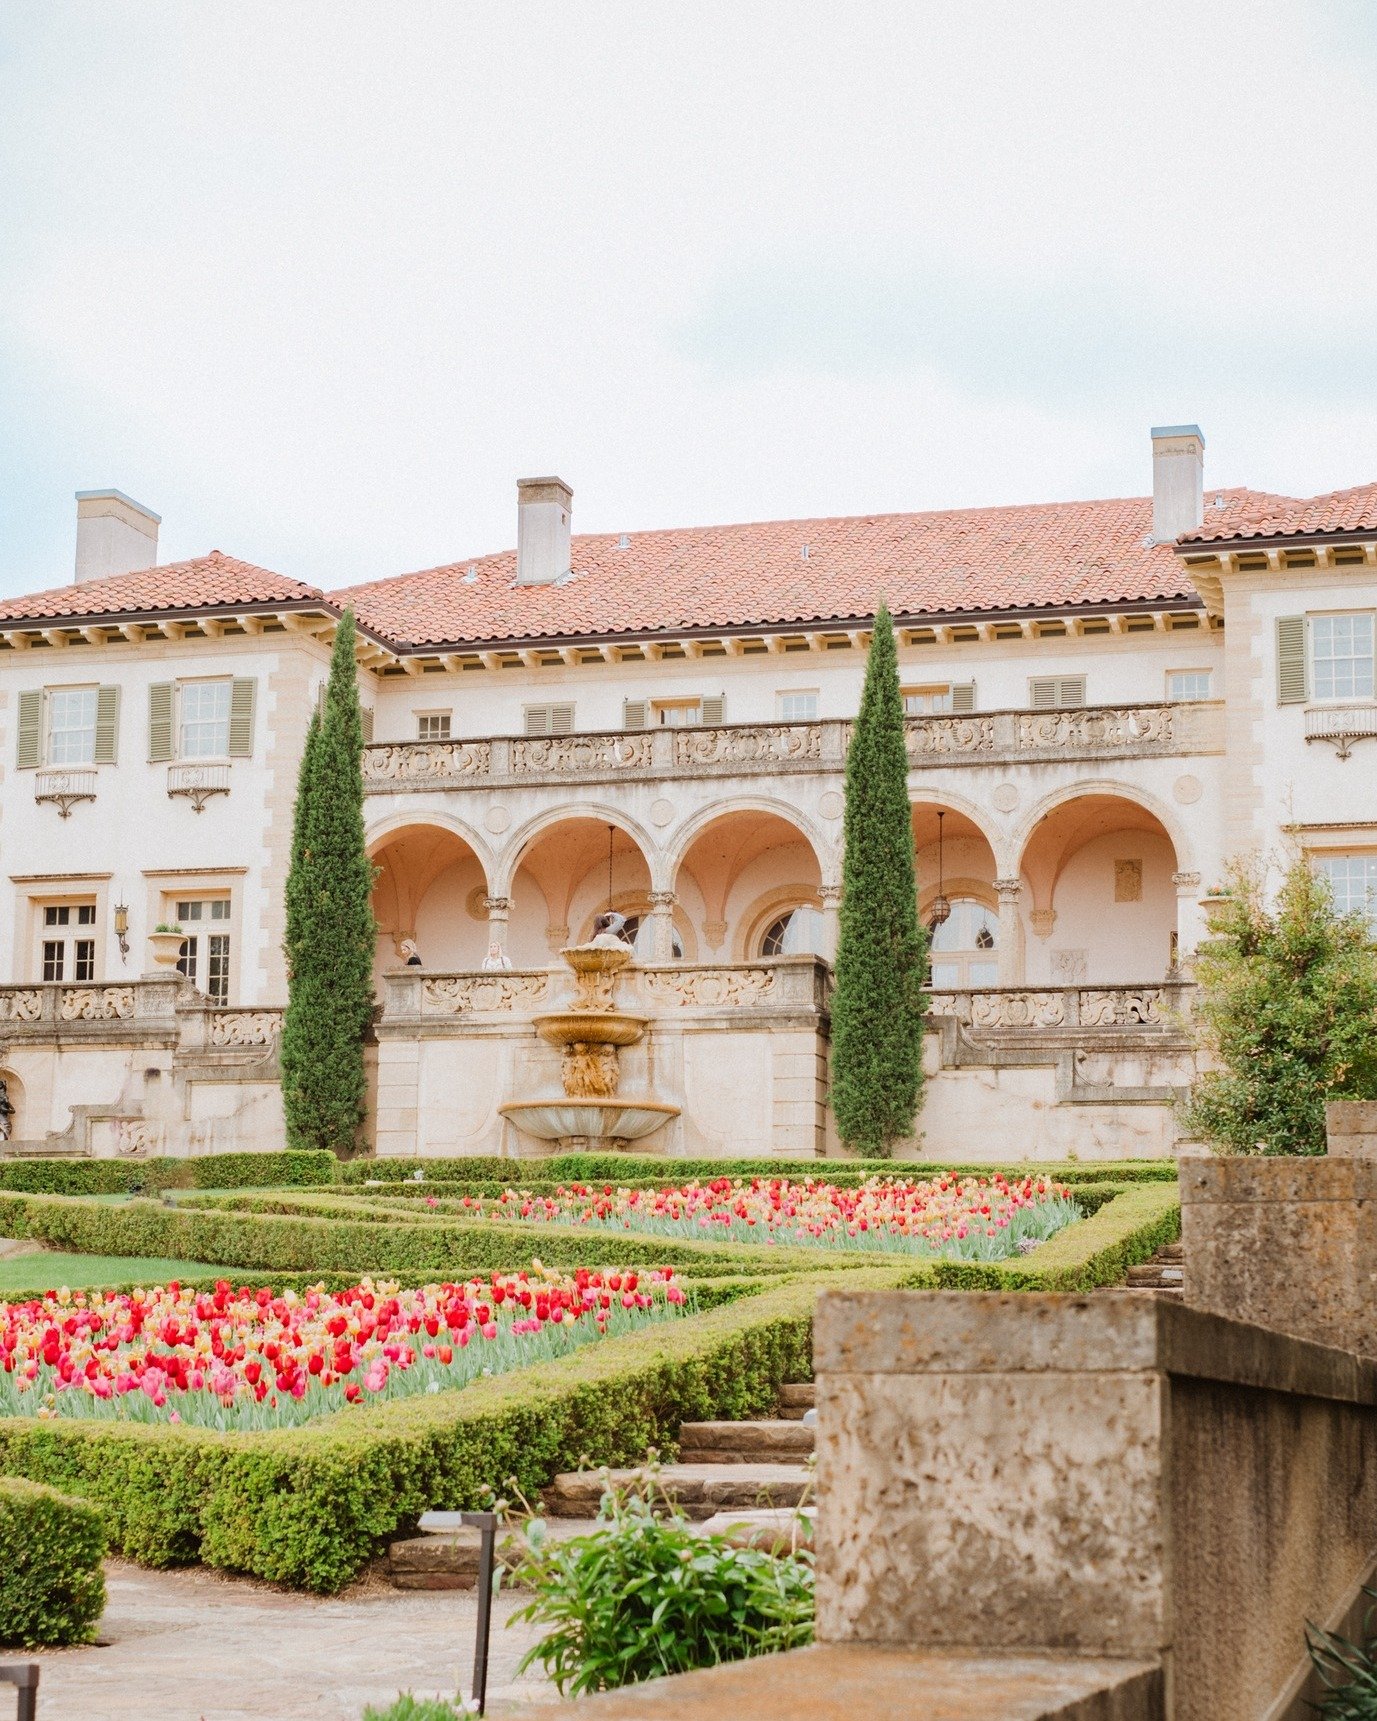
(166, 947)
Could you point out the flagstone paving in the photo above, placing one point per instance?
(197, 1645)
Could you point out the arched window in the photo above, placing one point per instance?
(639, 932)
(963, 946)
(798, 932)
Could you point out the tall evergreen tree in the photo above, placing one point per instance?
(330, 929)
(877, 1009)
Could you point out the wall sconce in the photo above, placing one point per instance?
(122, 929)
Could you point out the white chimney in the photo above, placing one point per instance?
(542, 530)
(1178, 480)
(115, 535)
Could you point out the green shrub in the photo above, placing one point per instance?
(1287, 1010)
(648, 1595)
(411, 1708)
(210, 1171)
(1347, 1671)
(52, 1589)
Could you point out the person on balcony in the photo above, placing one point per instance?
(497, 958)
(410, 954)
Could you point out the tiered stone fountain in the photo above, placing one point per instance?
(591, 1115)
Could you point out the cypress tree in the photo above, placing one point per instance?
(330, 929)
(877, 1009)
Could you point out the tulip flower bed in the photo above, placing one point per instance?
(951, 1217)
(247, 1360)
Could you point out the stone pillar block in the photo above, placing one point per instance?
(1351, 1128)
(1288, 1244)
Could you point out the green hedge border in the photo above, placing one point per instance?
(310, 1506)
(211, 1171)
(52, 1586)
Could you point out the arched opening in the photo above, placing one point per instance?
(430, 889)
(1099, 896)
(955, 864)
(748, 877)
(566, 876)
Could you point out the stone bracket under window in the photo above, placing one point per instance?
(1341, 725)
(64, 788)
(198, 783)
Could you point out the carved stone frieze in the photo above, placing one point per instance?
(95, 1003)
(748, 744)
(135, 1137)
(245, 1027)
(957, 737)
(549, 755)
(1122, 1006)
(426, 762)
(20, 1004)
(1097, 728)
(1015, 1008)
(727, 988)
(497, 993)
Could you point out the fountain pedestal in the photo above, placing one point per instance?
(591, 1115)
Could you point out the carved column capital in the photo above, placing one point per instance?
(498, 907)
(1008, 889)
(663, 899)
(1186, 881)
(831, 895)
(1042, 920)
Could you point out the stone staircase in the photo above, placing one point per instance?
(1165, 1274)
(756, 1469)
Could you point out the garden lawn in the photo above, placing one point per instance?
(49, 1271)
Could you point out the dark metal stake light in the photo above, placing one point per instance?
(436, 1523)
(24, 1675)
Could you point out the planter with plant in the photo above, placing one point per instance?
(165, 944)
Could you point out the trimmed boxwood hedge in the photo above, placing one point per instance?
(211, 1171)
(309, 1506)
(52, 1589)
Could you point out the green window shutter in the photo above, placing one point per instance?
(159, 722)
(243, 691)
(963, 696)
(366, 719)
(634, 714)
(107, 724)
(561, 719)
(714, 710)
(29, 753)
(1042, 692)
(1293, 686)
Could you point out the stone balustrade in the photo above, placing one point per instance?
(982, 738)
(168, 1010)
(1017, 1009)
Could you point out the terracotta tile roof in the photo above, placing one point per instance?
(208, 582)
(1352, 510)
(975, 559)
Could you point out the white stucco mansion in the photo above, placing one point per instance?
(1107, 701)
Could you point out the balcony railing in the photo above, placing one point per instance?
(64, 786)
(1094, 732)
(198, 783)
(1341, 726)
(1019, 1009)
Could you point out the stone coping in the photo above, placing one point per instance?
(842, 1682)
(987, 1332)
(1295, 1181)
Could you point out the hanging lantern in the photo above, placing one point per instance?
(939, 909)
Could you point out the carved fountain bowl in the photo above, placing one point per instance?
(590, 1028)
(608, 957)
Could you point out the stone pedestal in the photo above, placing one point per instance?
(1351, 1126)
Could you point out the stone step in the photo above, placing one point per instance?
(1156, 1276)
(770, 1527)
(781, 1441)
(445, 1562)
(1175, 1253)
(795, 1399)
(700, 1490)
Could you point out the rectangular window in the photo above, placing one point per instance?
(204, 720)
(1353, 881)
(927, 701)
(1054, 692)
(67, 947)
(799, 707)
(72, 726)
(1188, 684)
(676, 713)
(432, 725)
(205, 954)
(1341, 657)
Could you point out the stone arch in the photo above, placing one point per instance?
(428, 870)
(508, 863)
(1098, 863)
(1112, 788)
(757, 917)
(554, 876)
(827, 855)
(922, 794)
(731, 856)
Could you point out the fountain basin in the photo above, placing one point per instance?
(601, 1122)
(591, 1028)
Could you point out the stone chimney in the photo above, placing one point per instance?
(542, 530)
(1178, 480)
(115, 535)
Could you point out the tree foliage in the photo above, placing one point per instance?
(1287, 1013)
(330, 929)
(877, 1010)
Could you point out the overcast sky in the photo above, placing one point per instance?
(319, 282)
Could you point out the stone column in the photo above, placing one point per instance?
(662, 922)
(499, 909)
(1010, 951)
(1190, 920)
(831, 895)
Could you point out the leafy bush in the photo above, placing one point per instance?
(411, 1708)
(210, 1171)
(52, 1589)
(1288, 1010)
(648, 1596)
(1347, 1671)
